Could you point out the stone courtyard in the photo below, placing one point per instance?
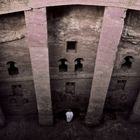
(76, 130)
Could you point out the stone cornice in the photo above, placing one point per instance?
(16, 5)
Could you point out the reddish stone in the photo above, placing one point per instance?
(36, 24)
(106, 53)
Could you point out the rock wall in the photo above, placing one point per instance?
(17, 95)
(12, 27)
(124, 86)
(10, 6)
(82, 25)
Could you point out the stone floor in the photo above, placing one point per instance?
(22, 129)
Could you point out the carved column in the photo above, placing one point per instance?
(112, 27)
(36, 26)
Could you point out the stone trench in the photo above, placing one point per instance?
(110, 129)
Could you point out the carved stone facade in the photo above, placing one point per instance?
(57, 55)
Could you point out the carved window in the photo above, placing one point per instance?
(78, 65)
(121, 84)
(17, 90)
(127, 64)
(70, 87)
(71, 46)
(12, 70)
(63, 67)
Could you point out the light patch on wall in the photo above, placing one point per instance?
(12, 27)
(127, 64)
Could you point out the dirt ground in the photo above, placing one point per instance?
(29, 129)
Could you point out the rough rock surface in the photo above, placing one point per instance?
(110, 130)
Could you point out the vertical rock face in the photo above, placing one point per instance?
(124, 85)
(73, 35)
(135, 117)
(17, 94)
(2, 118)
(81, 24)
(73, 38)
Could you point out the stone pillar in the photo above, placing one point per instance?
(36, 26)
(135, 117)
(2, 118)
(112, 27)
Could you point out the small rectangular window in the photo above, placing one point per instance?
(121, 84)
(70, 87)
(17, 90)
(71, 46)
